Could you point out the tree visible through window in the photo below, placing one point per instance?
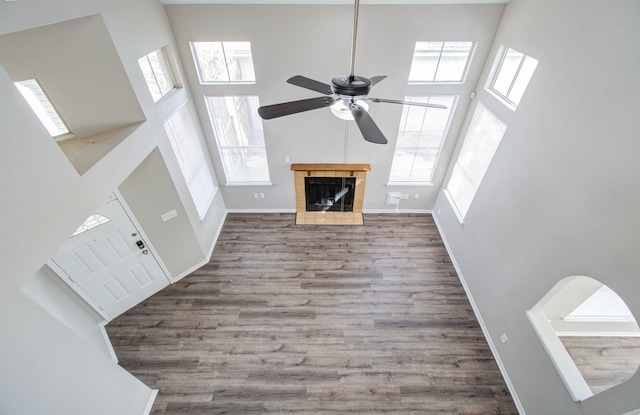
(223, 61)
(420, 138)
(440, 61)
(513, 75)
(238, 131)
(157, 73)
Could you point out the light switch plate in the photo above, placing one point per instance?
(169, 215)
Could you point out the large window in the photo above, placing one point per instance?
(440, 62)
(238, 131)
(420, 138)
(512, 76)
(186, 144)
(39, 102)
(482, 140)
(219, 62)
(157, 73)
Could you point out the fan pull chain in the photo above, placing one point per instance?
(344, 161)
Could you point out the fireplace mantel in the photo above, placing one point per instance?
(331, 167)
(358, 171)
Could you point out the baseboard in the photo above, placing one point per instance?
(152, 399)
(261, 211)
(485, 331)
(389, 210)
(394, 210)
(207, 258)
(107, 341)
(216, 236)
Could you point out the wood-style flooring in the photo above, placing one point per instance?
(604, 362)
(310, 319)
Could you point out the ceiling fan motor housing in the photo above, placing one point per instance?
(350, 85)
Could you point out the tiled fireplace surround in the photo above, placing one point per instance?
(300, 171)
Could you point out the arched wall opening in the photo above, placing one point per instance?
(589, 333)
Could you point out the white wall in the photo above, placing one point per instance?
(315, 41)
(53, 295)
(561, 196)
(46, 366)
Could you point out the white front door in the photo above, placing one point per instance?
(110, 263)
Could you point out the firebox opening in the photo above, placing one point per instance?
(329, 193)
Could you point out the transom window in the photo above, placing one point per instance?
(420, 138)
(512, 76)
(223, 62)
(44, 109)
(440, 62)
(240, 138)
(157, 73)
(479, 146)
(92, 221)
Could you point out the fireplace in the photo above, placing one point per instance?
(333, 194)
(329, 194)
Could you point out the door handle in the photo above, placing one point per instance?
(140, 244)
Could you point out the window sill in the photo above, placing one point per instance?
(453, 206)
(160, 101)
(435, 82)
(227, 82)
(249, 184)
(423, 184)
(502, 99)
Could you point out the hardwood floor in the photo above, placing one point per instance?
(604, 361)
(315, 320)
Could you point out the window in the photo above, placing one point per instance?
(157, 73)
(512, 76)
(186, 144)
(482, 140)
(420, 138)
(92, 221)
(223, 62)
(42, 107)
(238, 131)
(440, 61)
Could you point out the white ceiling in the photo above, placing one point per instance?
(391, 2)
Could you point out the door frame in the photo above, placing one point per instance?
(78, 289)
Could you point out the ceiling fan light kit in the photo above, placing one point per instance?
(347, 96)
(341, 109)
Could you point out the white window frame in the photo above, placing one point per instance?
(435, 73)
(152, 80)
(198, 66)
(42, 106)
(233, 181)
(427, 181)
(471, 136)
(188, 148)
(497, 71)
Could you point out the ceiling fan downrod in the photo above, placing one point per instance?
(354, 35)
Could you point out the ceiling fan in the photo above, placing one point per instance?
(347, 96)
